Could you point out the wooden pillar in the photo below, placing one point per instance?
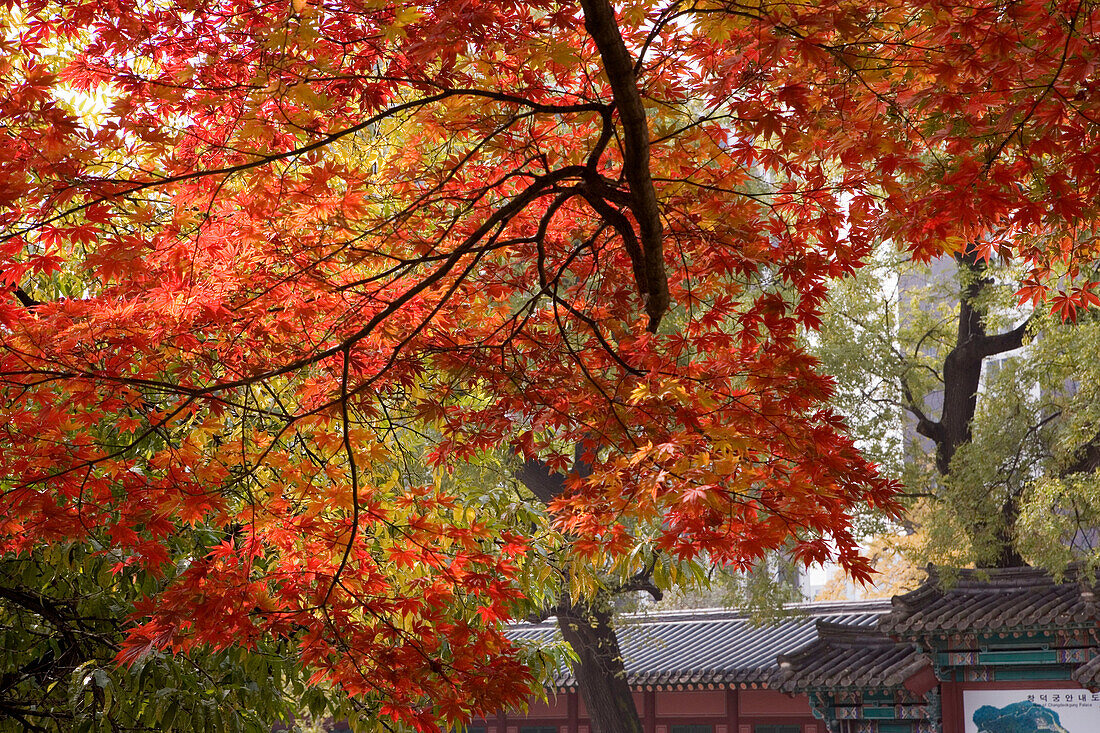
(951, 707)
(741, 727)
(649, 700)
(571, 710)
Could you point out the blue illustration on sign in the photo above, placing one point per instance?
(1019, 717)
(1051, 710)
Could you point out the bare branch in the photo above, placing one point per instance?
(600, 22)
(1001, 342)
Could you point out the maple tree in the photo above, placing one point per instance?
(254, 251)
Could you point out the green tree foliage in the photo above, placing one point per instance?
(62, 613)
(985, 409)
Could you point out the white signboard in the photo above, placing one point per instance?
(1031, 711)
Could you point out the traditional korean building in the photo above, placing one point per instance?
(999, 638)
(984, 652)
(858, 680)
(695, 672)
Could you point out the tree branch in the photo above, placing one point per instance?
(600, 22)
(999, 343)
(545, 484)
(135, 186)
(24, 298)
(1085, 459)
(926, 426)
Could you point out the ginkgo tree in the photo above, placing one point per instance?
(1003, 395)
(253, 251)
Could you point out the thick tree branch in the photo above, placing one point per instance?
(600, 22)
(621, 224)
(24, 298)
(1086, 458)
(545, 484)
(1001, 342)
(926, 426)
(642, 580)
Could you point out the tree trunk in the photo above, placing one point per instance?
(962, 373)
(586, 626)
(601, 676)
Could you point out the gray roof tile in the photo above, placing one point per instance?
(1088, 674)
(847, 657)
(992, 601)
(719, 647)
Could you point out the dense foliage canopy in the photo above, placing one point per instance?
(259, 255)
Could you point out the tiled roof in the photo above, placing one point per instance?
(992, 601)
(849, 657)
(710, 647)
(1088, 674)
